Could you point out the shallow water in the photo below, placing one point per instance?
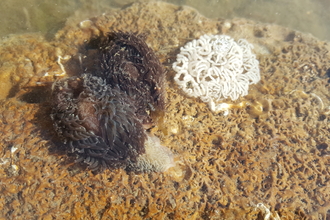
(287, 160)
(311, 16)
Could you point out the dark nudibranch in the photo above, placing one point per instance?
(101, 114)
(125, 61)
(97, 121)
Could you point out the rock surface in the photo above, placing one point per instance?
(271, 148)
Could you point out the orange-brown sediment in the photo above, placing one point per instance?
(273, 150)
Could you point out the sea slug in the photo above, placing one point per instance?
(102, 114)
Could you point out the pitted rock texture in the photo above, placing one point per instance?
(271, 148)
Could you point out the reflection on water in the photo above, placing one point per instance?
(18, 16)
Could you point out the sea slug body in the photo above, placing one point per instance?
(102, 114)
(125, 61)
(97, 121)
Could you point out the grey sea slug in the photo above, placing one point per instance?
(102, 113)
(98, 122)
(125, 61)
